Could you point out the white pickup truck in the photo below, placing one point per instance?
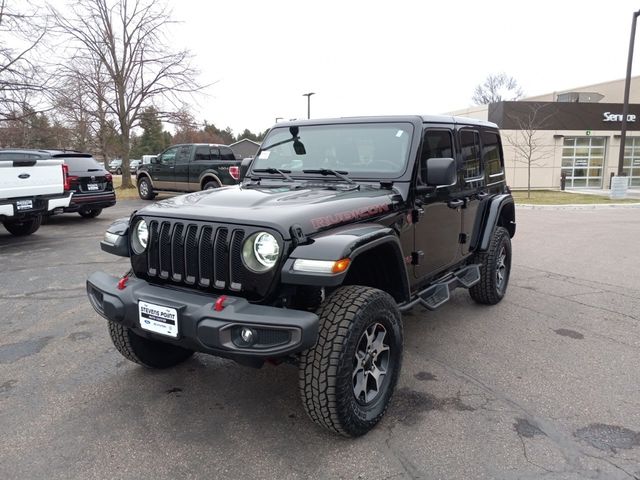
(31, 184)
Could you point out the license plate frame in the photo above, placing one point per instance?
(22, 205)
(158, 319)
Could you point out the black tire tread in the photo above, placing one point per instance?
(145, 352)
(24, 228)
(485, 291)
(151, 195)
(319, 365)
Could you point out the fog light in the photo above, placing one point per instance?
(248, 335)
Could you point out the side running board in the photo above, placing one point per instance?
(440, 292)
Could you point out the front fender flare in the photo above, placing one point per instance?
(346, 242)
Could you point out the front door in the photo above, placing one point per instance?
(163, 173)
(437, 231)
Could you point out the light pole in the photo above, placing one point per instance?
(279, 118)
(619, 183)
(627, 86)
(308, 95)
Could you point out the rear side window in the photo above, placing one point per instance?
(81, 163)
(470, 151)
(227, 154)
(436, 144)
(183, 154)
(203, 153)
(491, 155)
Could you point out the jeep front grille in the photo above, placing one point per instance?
(200, 255)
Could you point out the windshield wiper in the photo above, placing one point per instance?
(283, 173)
(336, 173)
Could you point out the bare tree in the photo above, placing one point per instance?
(497, 88)
(527, 145)
(22, 31)
(137, 69)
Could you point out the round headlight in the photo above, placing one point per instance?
(260, 252)
(140, 237)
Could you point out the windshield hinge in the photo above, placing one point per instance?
(416, 256)
(297, 234)
(416, 214)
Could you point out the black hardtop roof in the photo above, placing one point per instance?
(390, 118)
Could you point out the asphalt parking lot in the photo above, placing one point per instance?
(544, 385)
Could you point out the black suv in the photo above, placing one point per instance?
(338, 227)
(91, 184)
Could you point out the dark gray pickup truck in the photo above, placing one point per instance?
(188, 168)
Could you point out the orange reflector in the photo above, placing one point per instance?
(340, 265)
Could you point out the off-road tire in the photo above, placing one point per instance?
(118, 171)
(326, 370)
(210, 185)
(145, 190)
(489, 290)
(24, 227)
(91, 213)
(144, 351)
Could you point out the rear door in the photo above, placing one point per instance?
(183, 161)
(163, 171)
(472, 183)
(204, 158)
(438, 226)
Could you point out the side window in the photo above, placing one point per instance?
(183, 154)
(202, 153)
(215, 153)
(436, 144)
(168, 157)
(227, 153)
(491, 154)
(470, 152)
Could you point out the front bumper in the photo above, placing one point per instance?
(280, 331)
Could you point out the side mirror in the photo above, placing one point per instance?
(441, 172)
(244, 167)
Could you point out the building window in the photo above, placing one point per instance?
(583, 161)
(631, 165)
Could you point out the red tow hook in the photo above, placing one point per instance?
(219, 305)
(122, 283)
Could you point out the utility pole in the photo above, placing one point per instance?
(308, 95)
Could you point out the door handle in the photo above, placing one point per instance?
(455, 203)
(482, 195)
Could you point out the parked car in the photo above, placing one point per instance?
(115, 166)
(91, 184)
(32, 184)
(339, 226)
(188, 168)
(134, 165)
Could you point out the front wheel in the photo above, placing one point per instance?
(347, 378)
(145, 190)
(144, 351)
(495, 269)
(23, 227)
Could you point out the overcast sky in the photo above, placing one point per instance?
(390, 57)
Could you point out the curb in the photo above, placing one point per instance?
(577, 206)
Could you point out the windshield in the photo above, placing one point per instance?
(371, 150)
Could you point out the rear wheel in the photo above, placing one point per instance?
(348, 377)
(23, 227)
(118, 171)
(90, 213)
(495, 268)
(144, 351)
(210, 185)
(145, 190)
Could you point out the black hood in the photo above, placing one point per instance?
(280, 208)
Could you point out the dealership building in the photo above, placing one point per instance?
(574, 132)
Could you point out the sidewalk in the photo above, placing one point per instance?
(633, 192)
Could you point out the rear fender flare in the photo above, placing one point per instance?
(500, 209)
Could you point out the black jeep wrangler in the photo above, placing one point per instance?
(337, 228)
